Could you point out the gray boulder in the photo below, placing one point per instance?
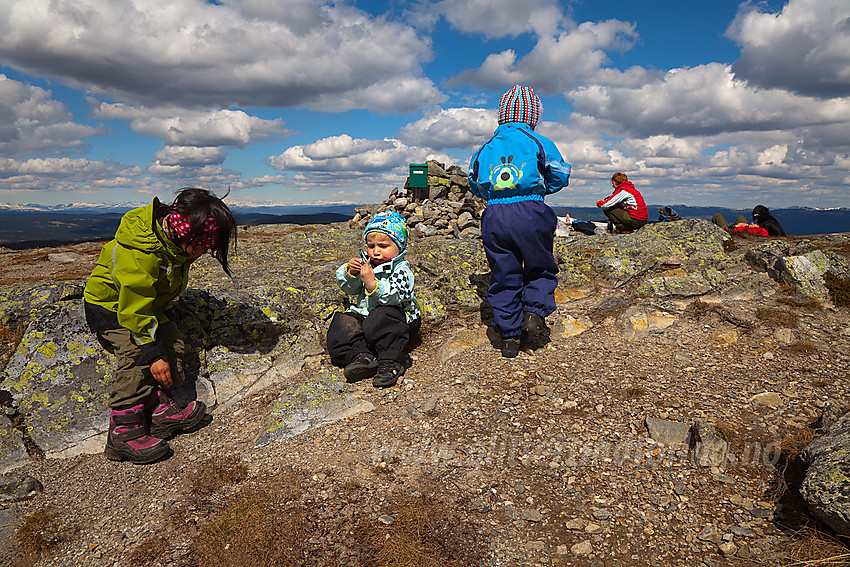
(709, 447)
(826, 488)
(615, 260)
(799, 266)
(323, 398)
(55, 386)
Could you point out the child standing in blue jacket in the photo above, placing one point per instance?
(513, 172)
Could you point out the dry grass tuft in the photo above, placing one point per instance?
(803, 347)
(39, 532)
(698, 309)
(790, 466)
(256, 529)
(728, 431)
(424, 534)
(10, 338)
(777, 316)
(147, 553)
(810, 547)
(839, 288)
(306, 228)
(217, 472)
(634, 392)
(807, 303)
(795, 441)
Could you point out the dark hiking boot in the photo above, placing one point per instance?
(535, 332)
(389, 371)
(128, 439)
(534, 324)
(168, 418)
(510, 347)
(362, 367)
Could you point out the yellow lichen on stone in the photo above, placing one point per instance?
(48, 349)
(573, 326)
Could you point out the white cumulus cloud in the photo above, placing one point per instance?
(231, 53)
(462, 128)
(57, 174)
(705, 100)
(498, 18)
(190, 156)
(179, 126)
(31, 121)
(557, 62)
(805, 48)
(343, 153)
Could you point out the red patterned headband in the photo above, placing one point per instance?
(208, 237)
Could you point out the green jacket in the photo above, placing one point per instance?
(138, 274)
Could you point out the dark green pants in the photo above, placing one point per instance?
(132, 384)
(721, 222)
(621, 219)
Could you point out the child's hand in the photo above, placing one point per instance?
(161, 372)
(354, 266)
(367, 276)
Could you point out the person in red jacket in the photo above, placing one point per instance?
(624, 208)
(763, 223)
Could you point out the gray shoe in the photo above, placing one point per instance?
(362, 367)
(389, 371)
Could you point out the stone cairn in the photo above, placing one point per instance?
(445, 208)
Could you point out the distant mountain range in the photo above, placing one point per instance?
(34, 226)
(121, 208)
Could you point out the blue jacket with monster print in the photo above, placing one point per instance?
(517, 165)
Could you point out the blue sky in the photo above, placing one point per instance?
(700, 103)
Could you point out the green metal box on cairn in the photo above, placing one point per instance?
(418, 181)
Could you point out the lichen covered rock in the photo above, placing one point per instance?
(826, 488)
(800, 266)
(323, 398)
(58, 379)
(682, 285)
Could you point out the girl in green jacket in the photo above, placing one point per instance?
(128, 305)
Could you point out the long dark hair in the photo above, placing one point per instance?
(198, 205)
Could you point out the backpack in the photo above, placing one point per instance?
(667, 214)
(585, 227)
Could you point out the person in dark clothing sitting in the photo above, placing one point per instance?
(763, 223)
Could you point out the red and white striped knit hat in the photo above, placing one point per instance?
(519, 104)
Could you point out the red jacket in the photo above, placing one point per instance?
(625, 196)
(757, 230)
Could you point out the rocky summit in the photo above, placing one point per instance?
(685, 389)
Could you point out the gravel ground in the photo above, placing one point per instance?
(543, 459)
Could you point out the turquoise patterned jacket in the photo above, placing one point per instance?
(395, 287)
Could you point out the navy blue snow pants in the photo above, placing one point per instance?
(518, 239)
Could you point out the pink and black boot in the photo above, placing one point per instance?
(168, 418)
(128, 438)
